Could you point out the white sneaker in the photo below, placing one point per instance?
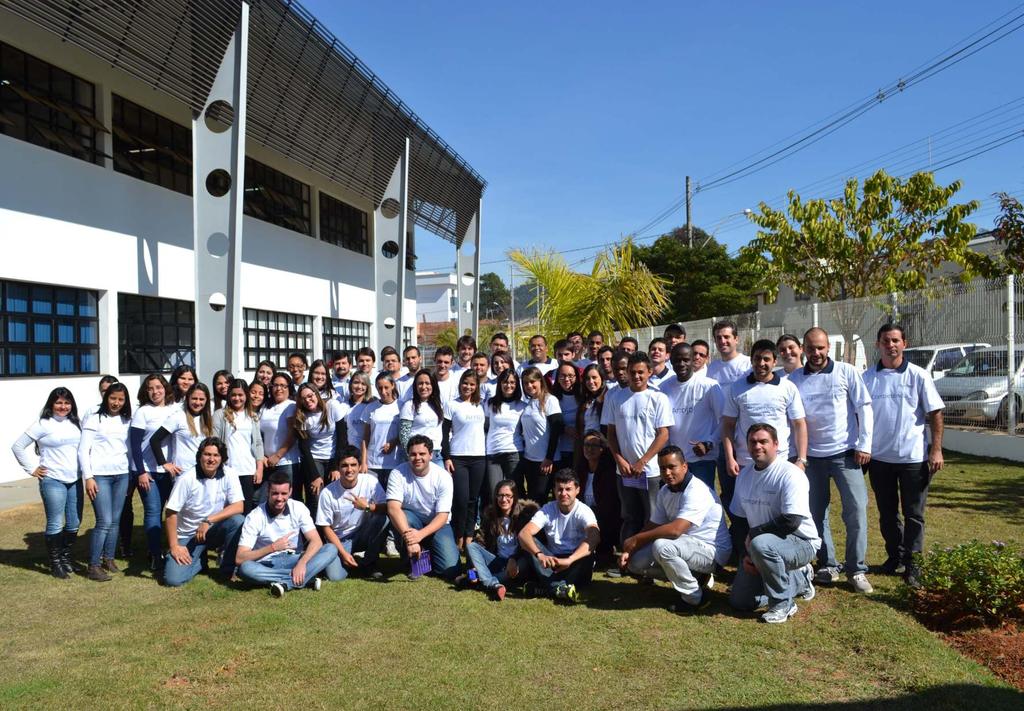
(826, 576)
(777, 617)
(809, 592)
(277, 589)
(315, 584)
(859, 583)
(390, 550)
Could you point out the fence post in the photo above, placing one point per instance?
(894, 299)
(814, 314)
(1011, 361)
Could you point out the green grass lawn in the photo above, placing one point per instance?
(404, 645)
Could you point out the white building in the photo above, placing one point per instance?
(437, 296)
(98, 219)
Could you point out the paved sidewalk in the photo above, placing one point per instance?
(18, 493)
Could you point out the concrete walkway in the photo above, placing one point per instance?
(18, 493)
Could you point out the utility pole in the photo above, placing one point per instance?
(689, 224)
(512, 311)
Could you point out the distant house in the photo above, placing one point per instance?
(436, 296)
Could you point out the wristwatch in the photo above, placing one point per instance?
(206, 521)
(802, 460)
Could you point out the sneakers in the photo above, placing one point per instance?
(893, 566)
(859, 583)
(778, 616)
(685, 608)
(390, 549)
(706, 581)
(97, 573)
(498, 593)
(568, 594)
(809, 592)
(277, 590)
(826, 576)
(912, 576)
(315, 584)
(529, 589)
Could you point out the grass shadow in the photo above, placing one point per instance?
(936, 698)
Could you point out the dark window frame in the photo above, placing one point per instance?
(343, 224)
(150, 147)
(261, 341)
(345, 335)
(277, 198)
(160, 337)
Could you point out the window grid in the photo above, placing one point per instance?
(343, 225)
(155, 335)
(407, 337)
(272, 335)
(274, 197)
(48, 106)
(48, 330)
(344, 335)
(149, 147)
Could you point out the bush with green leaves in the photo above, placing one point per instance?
(984, 579)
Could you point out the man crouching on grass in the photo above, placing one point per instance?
(566, 561)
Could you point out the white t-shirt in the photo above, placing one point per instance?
(426, 495)
(565, 531)
(535, 427)
(341, 387)
(184, 444)
(57, 439)
(467, 433)
(424, 421)
(831, 399)
(336, 509)
(544, 367)
(566, 442)
(240, 437)
(383, 423)
(726, 372)
(356, 425)
(403, 386)
(776, 403)
(591, 418)
(149, 418)
(448, 389)
(697, 504)
(636, 417)
(780, 488)
(260, 530)
(503, 432)
(901, 399)
(697, 411)
(103, 450)
(196, 497)
(321, 438)
(275, 424)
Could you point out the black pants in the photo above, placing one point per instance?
(538, 484)
(302, 483)
(248, 493)
(900, 487)
(467, 482)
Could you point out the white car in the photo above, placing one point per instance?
(976, 387)
(941, 357)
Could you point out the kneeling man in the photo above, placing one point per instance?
(279, 544)
(772, 498)
(420, 506)
(566, 561)
(685, 535)
(203, 511)
(351, 516)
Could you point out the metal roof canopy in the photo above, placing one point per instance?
(309, 97)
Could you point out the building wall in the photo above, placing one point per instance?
(433, 296)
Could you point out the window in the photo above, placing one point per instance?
(272, 335)
(272, 196)
(150, 147)
(342, 335)
(48, 330)
(947, 358)
(155, 335)
(343, 225)
(47, 106)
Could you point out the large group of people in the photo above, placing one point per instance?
(498, 475)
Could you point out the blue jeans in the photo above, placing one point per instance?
(110, 492)
(579, 573)
(780, 562)
(444, 554)
(491, 569)
(853, 493)
(705, 471)
(278, 568)
(152, 508)
(60, 502)
(369, 538)
(224, 534)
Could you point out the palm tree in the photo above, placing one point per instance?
(619, 293)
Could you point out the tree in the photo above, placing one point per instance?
(1010, 232)
(703, 280)
(618, 293)
(889, 237)
(494, 296)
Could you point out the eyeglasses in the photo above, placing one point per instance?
(504, 496)
(698, 354)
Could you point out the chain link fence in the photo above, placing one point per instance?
(969, 337)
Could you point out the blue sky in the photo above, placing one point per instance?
(584, 117)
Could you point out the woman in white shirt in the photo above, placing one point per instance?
(265, 372)
(566, 387)
(422, 413)
(590, 400)
(152, 481)
(55, 435)
(542, 424)
(182, 379)
(238, 426)
(320, 432)
(360, 397)
(222, 380)
(380, 438)
(463, 448)
(259, 396)
(103, 459)
(504, 436)
(276, 419)
(186, 426)
(320, 378)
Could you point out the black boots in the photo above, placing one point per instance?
(67, 543)
(54, 545)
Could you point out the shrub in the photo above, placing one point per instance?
(973, 579)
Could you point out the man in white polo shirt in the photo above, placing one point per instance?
(839, 427)
(352, 516)
(447, 384)
(903, 463)
(731, 364)
(771, 499)
(638, 420)
(685, 535)
(279, 544)
(697, 410)
(565, 561)
(419, 500)
(203, 511)
(538, 356)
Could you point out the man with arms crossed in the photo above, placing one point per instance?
(697, 409)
